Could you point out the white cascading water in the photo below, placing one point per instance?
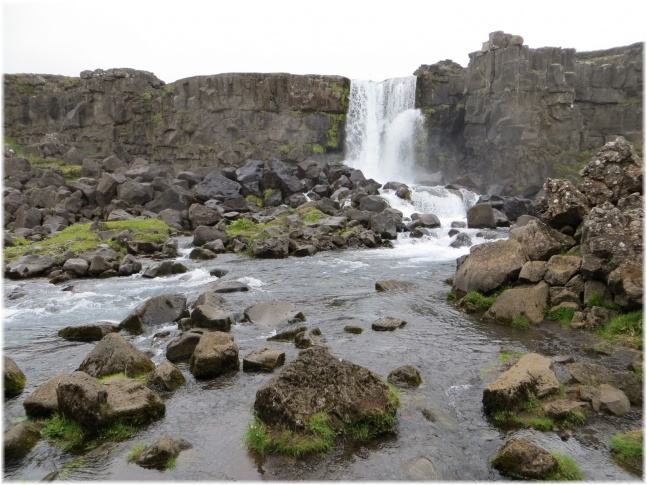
(381, 128)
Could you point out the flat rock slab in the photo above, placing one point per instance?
(388, 324)
(29, 266)
(392, 285)
(263, 359)
(560, 408)
(228, 287)
(532, 376)
(274, 314)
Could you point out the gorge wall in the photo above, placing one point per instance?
(516, 115)
(512, 118)
(204, 121)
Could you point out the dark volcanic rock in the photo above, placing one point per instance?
(157, 310)
(87, 333)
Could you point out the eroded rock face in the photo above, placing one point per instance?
(532, 376)
(318, 382)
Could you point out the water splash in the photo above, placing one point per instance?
(382, 126)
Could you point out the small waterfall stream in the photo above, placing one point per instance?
(381, 129)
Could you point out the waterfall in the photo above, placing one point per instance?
(381, 129)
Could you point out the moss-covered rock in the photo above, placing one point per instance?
(14, 378)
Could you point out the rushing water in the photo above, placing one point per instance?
(381, 128)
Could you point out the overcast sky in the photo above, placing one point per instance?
(360, 39)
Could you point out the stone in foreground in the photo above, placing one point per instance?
(20, 439)
(317, 382)
(263, 359)
(215, 354)
(532, 376)
(524, 460)
(405, 376)
(14, 378)
(114, 355)
(158, 454)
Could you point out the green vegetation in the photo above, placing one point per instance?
(156, 118)
(63, 432)
(477, 302)
(575, 418)
(257, 201)
(337, 121)
(286, 148)
(345, 93)
(451, 295)
(626, 328)
(532, 404)
(597, 300)
(583, 156)
(172, 462)
(521, 321)
(539, 423)
(116, 432)
(146, 97)
(80, 238)
(136, 451)
(506, 356)
(318, 149)
(310, 215)
(562, 315)
(566, 469)
(628, 447)
(67, 468)
(142, 377)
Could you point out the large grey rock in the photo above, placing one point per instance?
(173, 198)
(205, 316)
(83, 399)
(205, 234)
(481, 216)
(387, 324)
(42, 403)
(489, 266)
(14, 378)
(27, 217)
(166, 377)
(317, 382)
(561, 268)
(563, 204)
(274, 314)
(215, 354)
(155, 311)
(158, 454)
(594, 375)
(135, 193)
(524, 460)
(113, 355)
(76, 266)
(200, 215)
(532, 376)
(87, 333)
(20, 439)
(539, 241)
(529, 301)
(29, 266)
(271, 248)
(373, 203)
(405, 376)
(216, 186)
(182, 347)
(131, 402)
(611, 400)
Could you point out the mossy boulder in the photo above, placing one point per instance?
(20, 439)
(405, 376)
(166, 377)
(522, 459)
(14, 378)
(159, 454)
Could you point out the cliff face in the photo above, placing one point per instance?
(195, 122)
(527, 114)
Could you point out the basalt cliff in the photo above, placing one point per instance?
(514, 117)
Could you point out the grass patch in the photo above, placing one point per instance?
(506, 356)
(567, 469)
(562, 315)
(575, 418)
(136, 451)
(80, 238)
(477, 302)
(532, 404)
(597, 300)
(540, 423)
(142, 377)
(626, 328)
(171, 463)
(310, 215)
(257, 201)
(521, 321)
(63, 432)
(117, 432)
(318, 149)
(451, 295)
(628, 447)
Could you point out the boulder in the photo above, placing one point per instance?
(307, 338)
(158, 454)
(172, 198)
(216, 186)
(611, 401)
(532, 272)
(205, 234)
(561, 408)
(393, 285)
(373, 203)
(524, 460)
(594, 375)
(155, 311)
(561, 268)
(107, 188)
(532, 376)
(289, 334)
(386, 224)
(529, 301)
(114, 355)
(200, 215)
(489, 266)
(20, 439)
(426, 220)
(249, 177)
(29, 266)
(274, 314)
(317, 382)
(205, 316)
(166, 377)
(202, 254)
(87, 333)
(461, 240)
(539, 241)
(228, 287)
(280, 176)
(182, 347)
(135, 193)
(263, 359)
(129, 265)
(405, 376)
(27, 217)
(131, 402)
(563, 204)
(83, 399)
(42, 403)
(387, 324)
(76, 266)
(215, 354)
(481, 216)
(164, 268)
(14, 378)
(271, 248)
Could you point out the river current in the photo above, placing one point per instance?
(456, 354)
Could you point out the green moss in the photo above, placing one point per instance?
(628, 447)
(451, 295)
(171, 462)
(597, 300)
(63, 432)
(532, 404)
(80, 238)
(145, 97)
(477, 302)
(310, 215)
(156, 118)
(521, 321)
(267, 193)
(506, 356)
(257, 201)
(540, 423)
(142, 377)
(317, 149)
(566, 470)
(286, 148)
(575, 418)
(626, 328)
(562, 315)
(136, 451)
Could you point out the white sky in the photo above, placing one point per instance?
(359, 39)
